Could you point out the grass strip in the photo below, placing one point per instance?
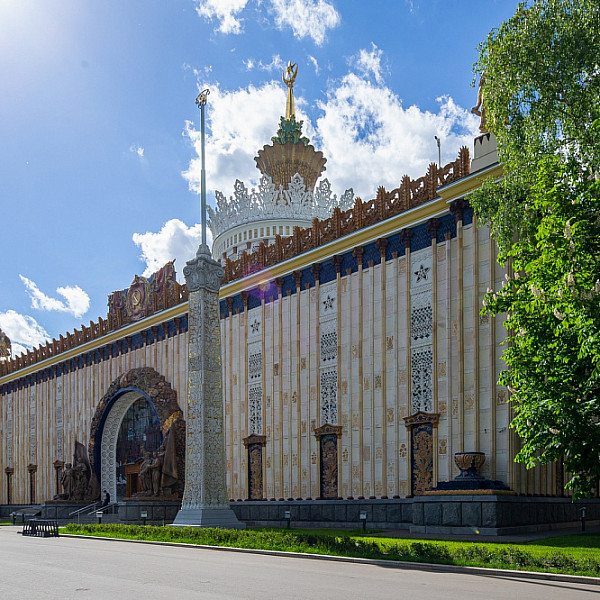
(547, 558)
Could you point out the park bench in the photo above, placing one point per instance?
(40, 528)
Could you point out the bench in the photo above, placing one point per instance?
(40, 528)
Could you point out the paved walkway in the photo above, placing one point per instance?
(82, 568)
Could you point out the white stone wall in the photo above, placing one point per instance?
(390, 362)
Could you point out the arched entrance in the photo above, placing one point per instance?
(140, 386)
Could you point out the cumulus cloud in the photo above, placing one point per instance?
(24, 331)
(369, 63)
(306, 18)
(367, 135)
(76, 301)
(175, 240)
(225, 12)
(370, 139)
(239, 123)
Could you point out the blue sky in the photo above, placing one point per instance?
(99, 170)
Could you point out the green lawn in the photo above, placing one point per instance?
(576, 554)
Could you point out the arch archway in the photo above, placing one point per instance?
(122, 393)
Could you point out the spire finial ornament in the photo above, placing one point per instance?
(291, 71)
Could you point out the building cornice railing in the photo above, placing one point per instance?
(410, 193)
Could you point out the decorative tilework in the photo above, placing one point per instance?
(32, 427)
(9, 429)
(421, 267)
(421, 318)
(58, 412)
(329, 342)
(421, 380)
(254, 362)
(328, 380)
(254, 323)
(255, 409)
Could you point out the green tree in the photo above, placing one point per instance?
(542, 100)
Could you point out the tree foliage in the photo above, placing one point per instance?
(542, 101)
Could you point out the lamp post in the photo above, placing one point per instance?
(201, 103)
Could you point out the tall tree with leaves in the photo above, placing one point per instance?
(542, 101)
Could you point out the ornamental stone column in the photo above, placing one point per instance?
(205, 501)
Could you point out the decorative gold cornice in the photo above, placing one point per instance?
(471, 182)
(157, 318)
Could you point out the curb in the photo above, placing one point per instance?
(511, 573)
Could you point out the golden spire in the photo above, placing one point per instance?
(291, 71)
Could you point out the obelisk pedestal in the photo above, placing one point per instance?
(205, 501)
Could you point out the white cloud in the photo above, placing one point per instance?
(240, 122)
(369, 63)
(315, 64)
(225, 11)
(307, 18)
(276, 64)
(137, 149)
(175, 240)
(77, 301)
(24, 332)
(370, 139)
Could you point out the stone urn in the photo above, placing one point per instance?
(469, 464)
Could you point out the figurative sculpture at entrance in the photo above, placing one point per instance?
(78, 481)
(158, 472)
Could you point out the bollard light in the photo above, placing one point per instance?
(99, 516)
(583, 511)
(144, 516)
(288, 516)
(363, 517)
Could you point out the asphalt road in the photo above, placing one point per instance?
(65, 568)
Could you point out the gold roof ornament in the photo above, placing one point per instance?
(291, 71)
(479, 108)
(5, 346)
(290, 152)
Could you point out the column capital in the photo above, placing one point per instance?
(203, 272)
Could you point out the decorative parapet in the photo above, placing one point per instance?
(271, 202)
(410, 193)
(143, 298)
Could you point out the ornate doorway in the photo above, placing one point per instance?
(116, 435)
(421, 426)
(254, 443)
(328, 436)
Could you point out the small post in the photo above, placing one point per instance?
(144, 516)
(99, 516)
(583, 511)
(363, 518)
(288, 516)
